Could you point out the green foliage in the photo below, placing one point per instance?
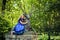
(0, 6)
(43, 37)
(44, 13)
(4, 25)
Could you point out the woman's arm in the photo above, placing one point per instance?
(23, 22)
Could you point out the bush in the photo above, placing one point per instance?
(4, 25)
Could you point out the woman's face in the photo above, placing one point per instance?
(22, 16)
(23, 19)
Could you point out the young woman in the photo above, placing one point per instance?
(20, 26)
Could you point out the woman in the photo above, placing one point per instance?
(20, 26)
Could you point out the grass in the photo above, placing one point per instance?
(45, 37)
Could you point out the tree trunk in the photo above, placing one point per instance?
(2, 37)
(3, 4)
(49, 35)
